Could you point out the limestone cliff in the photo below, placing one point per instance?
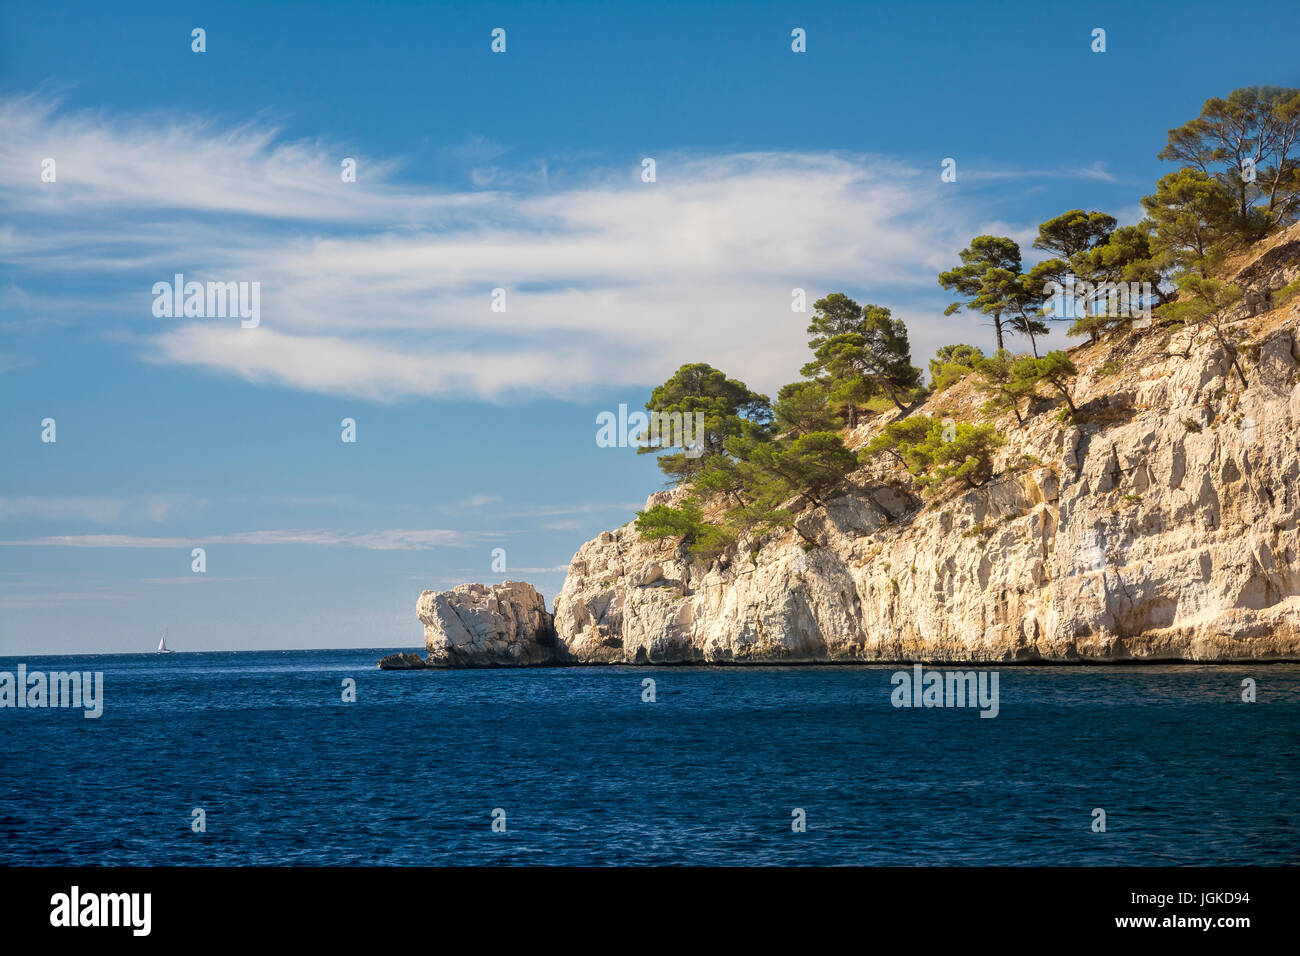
(1161, 526)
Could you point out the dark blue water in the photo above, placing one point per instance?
(589, 774)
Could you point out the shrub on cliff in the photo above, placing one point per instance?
(1284, 295)
(951, 364)
(1207, 303)
(770, 474)
(703, 539)
(1008, 379)
(1004, 390)
(1054, 370)
(755, 478)
(935, 452)
(810, 465)
(685, 521)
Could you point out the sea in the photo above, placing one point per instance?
(319, 758)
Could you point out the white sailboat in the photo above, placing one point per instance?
(162, 644)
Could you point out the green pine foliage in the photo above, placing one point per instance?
(757, 464)
(935, 452)
(951, 364)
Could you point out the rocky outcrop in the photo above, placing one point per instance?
(487, 625)
(1163, 524)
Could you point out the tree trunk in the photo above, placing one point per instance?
(882, 380)
(1232, 355)
(1029, 330)
(1065, 393)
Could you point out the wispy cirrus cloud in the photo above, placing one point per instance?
(473, 503)
(382, 288)
(582, 509)
(1095, 171)
(389, 540)
(153, 508)
(85, 509)
(167, 163)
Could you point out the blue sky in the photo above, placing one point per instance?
(521, 171)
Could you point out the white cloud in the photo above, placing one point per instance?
(582, 509)
(394, 540)
(9, 361)
(164, 163)
(61, 599)
(86, 509)
(475, 502)
(1096, 170)
(154, 508)
(188, 579)
(381, 289)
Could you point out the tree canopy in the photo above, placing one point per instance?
(862, 351)
(971, 280)
(935, 452)
(755, 464)
(1207, 303)
(1188, 217)
(952, 363)
(728, 406)
(1248, 143)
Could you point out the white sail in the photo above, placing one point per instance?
(162, 644)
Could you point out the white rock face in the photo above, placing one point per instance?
(1164, 527)
(487, 625)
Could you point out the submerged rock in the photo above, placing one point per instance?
(402, 662)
